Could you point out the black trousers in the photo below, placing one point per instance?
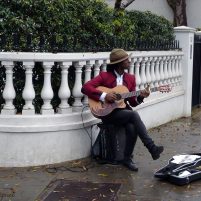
(134, 127)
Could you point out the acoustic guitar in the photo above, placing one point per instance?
(100, 109)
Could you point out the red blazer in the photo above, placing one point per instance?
(108, 79)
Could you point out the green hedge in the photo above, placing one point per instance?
(84, 22)
(87, 21)
(150, 27)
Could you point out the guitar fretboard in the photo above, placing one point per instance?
(135, 93)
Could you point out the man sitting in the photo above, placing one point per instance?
(134, 127)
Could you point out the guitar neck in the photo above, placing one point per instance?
(135, 93)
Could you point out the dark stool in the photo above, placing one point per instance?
(110, 143)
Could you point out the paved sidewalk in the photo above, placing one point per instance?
(180, 136)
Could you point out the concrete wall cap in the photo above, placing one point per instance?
(184, 29)
(198, 33)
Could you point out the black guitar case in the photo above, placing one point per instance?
(188, 169)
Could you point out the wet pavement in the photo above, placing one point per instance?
(179, 136)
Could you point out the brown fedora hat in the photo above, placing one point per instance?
(117, 56)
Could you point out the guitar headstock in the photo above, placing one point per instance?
(165, 88)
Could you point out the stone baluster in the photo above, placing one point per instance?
(153, 77)
(173, 79)
(142, 73)
(147, 71)
(96, 68)
(165, 70)
(157, 72)
(137, 73)
(28, 92)
(161, 71)
(88, 67)
(169, 70)
(131, 68)
(176, 71)
(9, 91)
(76, 92)
(180, 70)
(104, 65)
(64, 90)
(47, 92)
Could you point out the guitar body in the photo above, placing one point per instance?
(100, 109)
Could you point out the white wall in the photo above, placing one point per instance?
(161, 7)
(193, 13)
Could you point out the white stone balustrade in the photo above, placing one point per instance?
(154, 68)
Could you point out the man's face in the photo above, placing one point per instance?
(126, 63)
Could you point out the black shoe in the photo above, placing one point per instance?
(130, 165)
(156, 151)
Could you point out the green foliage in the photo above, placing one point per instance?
(150, 27)
(85, 24)
(80, 20)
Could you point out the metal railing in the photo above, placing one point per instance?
(65, 43)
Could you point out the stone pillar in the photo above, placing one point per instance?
(131, 68)
(9, 91)
(185, 35)
(64, 90)
(157, 72)
(137, 73)
(76, 92)
(47, 92)
(142, 73)
(88, 67)
(28, 92)
(148, 70)
(104, 65)
(96, 68)
(161, 70)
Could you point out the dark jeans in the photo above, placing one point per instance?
(134, 127)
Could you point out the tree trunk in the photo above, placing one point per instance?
(122, 4)
(179, 10)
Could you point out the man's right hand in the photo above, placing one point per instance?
(111, 97)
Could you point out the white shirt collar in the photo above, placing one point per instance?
(119, 78)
